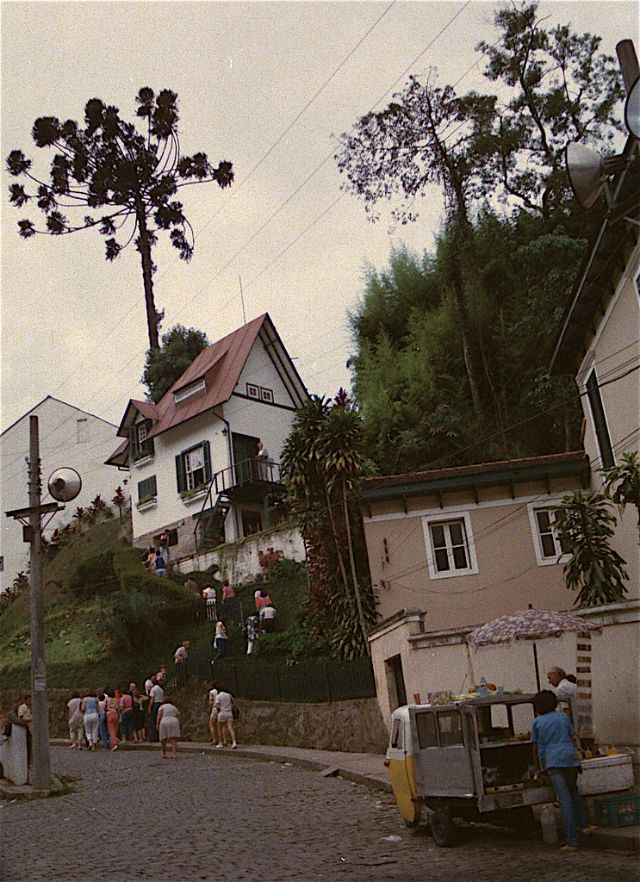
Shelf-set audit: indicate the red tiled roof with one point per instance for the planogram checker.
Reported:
(118, 458)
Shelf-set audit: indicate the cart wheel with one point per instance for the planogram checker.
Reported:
(443, 830)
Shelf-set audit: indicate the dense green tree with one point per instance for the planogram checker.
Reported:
(584, 523)
(622, 483)
(163, 366)
(322, 461)
(118, 177)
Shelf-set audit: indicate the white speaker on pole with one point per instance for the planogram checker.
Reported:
(64, 484)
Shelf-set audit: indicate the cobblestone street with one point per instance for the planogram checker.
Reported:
(132, 815)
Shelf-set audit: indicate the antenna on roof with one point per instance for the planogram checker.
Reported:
(244, 315)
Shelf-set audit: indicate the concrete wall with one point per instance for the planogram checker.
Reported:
(238, 561)
(509, 573)
(68, 437)
(434, 661)
(354, 726)
(613, 353)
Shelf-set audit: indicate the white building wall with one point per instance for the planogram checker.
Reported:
(614, 354)
(170, 507)
(68, 437)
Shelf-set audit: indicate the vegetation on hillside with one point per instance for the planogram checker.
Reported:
(452, 347)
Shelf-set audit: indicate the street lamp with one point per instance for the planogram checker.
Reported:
(63, 485)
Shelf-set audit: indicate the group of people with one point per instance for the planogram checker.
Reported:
(223, 712)
(105, 719)
(156, 559)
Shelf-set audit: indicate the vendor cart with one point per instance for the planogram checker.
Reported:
(469, 759)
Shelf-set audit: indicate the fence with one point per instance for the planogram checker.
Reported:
(314, 680)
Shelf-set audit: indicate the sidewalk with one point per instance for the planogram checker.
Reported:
(362, 768)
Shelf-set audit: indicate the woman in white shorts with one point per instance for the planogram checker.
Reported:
(168, 727)
(224, 703)
(213, 715)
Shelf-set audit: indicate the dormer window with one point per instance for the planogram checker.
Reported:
(187, 391)
(141, 444)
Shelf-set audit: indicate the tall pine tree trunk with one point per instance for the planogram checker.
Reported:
(354, 573)
(144, 247)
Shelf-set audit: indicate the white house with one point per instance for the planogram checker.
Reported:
(68, 437)
(195, 470)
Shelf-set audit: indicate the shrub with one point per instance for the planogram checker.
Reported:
(94, 576)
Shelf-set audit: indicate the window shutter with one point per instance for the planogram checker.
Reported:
(181, 473)
(133, 441)
(148, 487)
(206, 450)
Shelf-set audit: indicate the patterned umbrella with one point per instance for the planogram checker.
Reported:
(528, 624)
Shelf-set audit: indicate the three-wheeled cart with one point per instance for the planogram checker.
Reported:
(470, 759)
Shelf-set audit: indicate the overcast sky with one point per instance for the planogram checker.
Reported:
(73, 325)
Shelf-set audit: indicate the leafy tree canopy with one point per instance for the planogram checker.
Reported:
(163, 366)
(118, 177)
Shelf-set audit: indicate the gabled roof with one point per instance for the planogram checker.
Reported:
(59, 401)
(604, 258)
(120, 456)
(220, 365)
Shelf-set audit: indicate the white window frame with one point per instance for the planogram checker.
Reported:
(191, 482)
(447, 518)
(187, 391)
(541, 559)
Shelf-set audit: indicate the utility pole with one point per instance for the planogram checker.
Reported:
(39, 704)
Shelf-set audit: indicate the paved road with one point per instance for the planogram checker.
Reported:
(133, 816)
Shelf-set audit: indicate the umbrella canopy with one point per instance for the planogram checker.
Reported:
(528, 624)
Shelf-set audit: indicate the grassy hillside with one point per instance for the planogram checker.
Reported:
(107, 620)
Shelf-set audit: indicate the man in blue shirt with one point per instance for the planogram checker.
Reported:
(556, 754)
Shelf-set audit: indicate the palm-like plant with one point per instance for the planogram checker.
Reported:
(125, 177)
(622, 483)
(119, 500)
(595, 570)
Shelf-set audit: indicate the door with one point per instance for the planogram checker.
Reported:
(395, 682)
(402, 770)
(445, 762)
(245, 451)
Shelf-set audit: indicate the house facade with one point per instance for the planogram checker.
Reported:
(453, 548)
(69, 437)
(196, 469)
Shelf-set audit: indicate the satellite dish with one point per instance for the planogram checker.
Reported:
(64, 484)
(588, 172)
(632, 110)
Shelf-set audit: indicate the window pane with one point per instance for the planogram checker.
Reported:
(457, 536)
(548, 545)
(450, 725)
(460, 559)
(437, 534)
(426, 725)
(442, 560)
(544, 521)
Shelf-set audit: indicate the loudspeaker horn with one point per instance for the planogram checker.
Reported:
(588, 171)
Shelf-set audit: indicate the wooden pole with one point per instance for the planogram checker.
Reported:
(39, 705)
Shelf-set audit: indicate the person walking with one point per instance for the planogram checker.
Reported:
(161, 569)
(209, 597)
(127, 727)
(102, 719)
(113, 719)
(168, 727)
(89, 708)
(76, 721)
(181, 661)
(219, 642)
(268, 618)
(225, 705)
(555, 753)
(213, 715)
(156, 697)
(251, 631)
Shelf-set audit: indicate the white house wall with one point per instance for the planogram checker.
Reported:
(170, 508)
(615, 354)
(59, 446)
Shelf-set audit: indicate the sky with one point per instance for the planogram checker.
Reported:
(267, 86)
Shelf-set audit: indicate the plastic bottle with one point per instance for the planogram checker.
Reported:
(483, 692)
(549, 825)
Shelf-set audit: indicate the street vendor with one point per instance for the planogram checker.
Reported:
(561, 686)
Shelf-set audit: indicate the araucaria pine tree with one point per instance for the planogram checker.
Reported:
(118, 177)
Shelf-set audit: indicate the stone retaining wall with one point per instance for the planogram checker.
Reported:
(354, 726)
